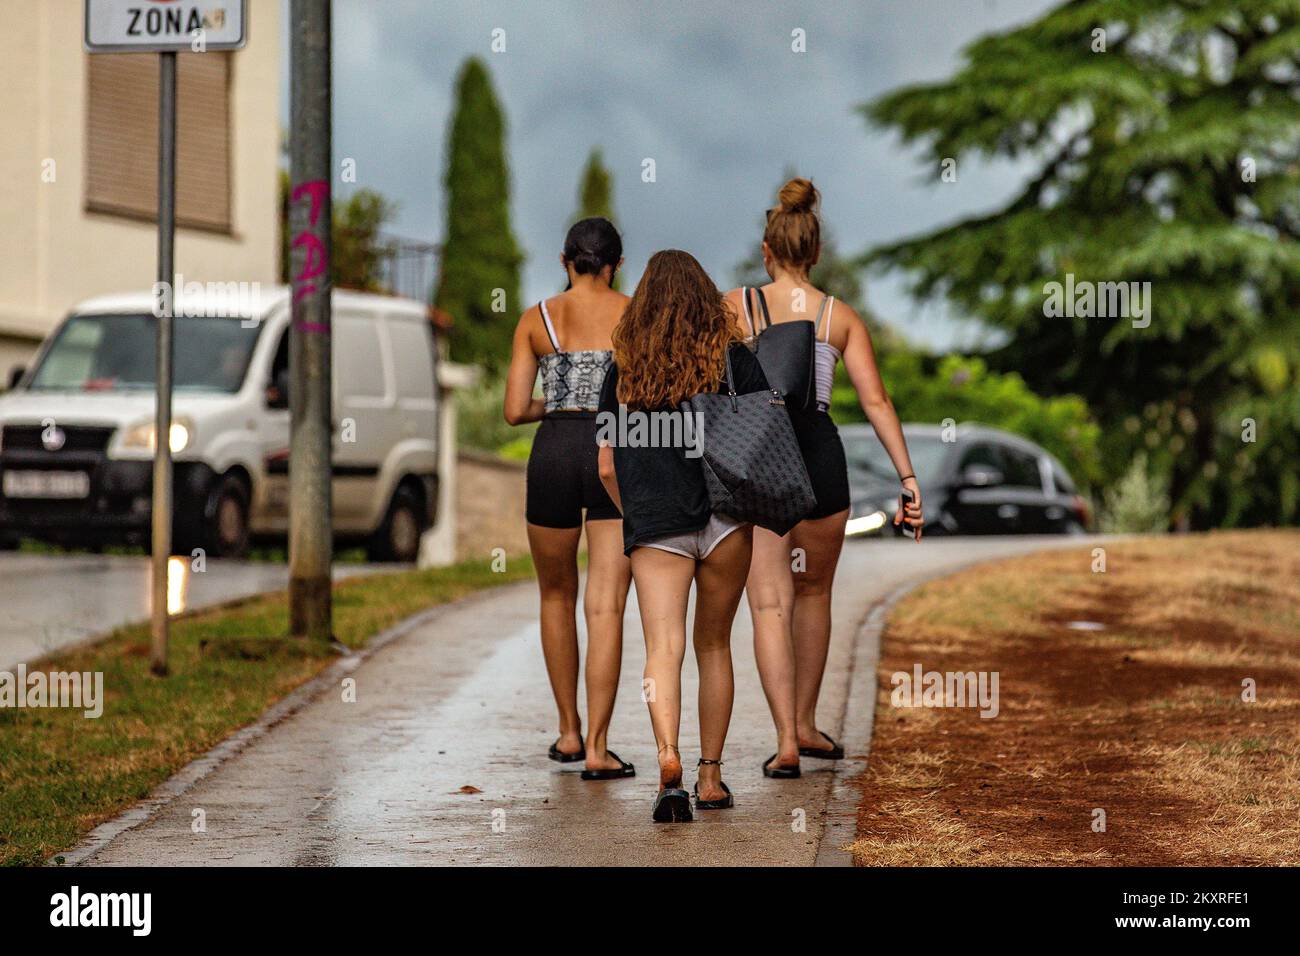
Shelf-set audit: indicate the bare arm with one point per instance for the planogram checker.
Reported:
(608, 478)
(520, 406)
(860, 363)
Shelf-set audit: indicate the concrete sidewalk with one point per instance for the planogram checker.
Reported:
(463, 702)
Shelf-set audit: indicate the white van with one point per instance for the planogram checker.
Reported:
(76, 430)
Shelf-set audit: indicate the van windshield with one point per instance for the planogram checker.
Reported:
(95, 353)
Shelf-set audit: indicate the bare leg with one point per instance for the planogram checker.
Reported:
(719, 580)
(770, 589)
(609, 575)
(555, 556)
(663, 585)
(821, 540)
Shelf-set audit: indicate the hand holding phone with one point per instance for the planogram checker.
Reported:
(909, 514)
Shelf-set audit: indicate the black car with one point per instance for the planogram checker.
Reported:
(974, 480)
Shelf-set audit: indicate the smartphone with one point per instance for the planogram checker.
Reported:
(905, 498)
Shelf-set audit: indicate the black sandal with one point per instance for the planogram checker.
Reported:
(622, 770)
(835, 753)
(559, 756)
(726, 803)
(780, 773)
(673, 804)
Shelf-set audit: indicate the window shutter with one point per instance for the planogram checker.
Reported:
(122, 137)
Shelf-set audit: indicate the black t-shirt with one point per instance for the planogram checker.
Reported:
(663, 488)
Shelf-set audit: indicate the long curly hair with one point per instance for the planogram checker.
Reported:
(672, 340)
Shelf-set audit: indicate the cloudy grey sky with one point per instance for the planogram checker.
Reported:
(709, 89)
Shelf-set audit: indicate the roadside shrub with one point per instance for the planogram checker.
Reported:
(479, 420)
(1138, 503)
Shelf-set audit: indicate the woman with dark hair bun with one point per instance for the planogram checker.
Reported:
(568, 338)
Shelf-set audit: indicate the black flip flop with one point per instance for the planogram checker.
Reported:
(780, 773)
(559, 756)
(835, 753)
(726, 803)
(673, 805)
(622, 770)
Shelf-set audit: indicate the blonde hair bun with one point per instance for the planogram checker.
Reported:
(798, 195)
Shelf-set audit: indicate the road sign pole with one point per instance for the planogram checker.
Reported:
(310, 504)
(162, 459)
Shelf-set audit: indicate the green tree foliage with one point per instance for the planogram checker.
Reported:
(358, 251)
(479, 280)
(596, 190)
(596, 194)
(1166, 135)
(928, 389)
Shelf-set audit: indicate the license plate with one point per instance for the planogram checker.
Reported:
(46, 484)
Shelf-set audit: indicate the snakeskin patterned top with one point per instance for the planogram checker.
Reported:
(571, 381)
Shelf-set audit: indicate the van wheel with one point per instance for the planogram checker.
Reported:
(398, 537)
(225, 534)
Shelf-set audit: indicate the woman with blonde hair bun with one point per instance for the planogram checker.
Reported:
(792, 610)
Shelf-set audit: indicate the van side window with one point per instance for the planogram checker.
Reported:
(277, 385)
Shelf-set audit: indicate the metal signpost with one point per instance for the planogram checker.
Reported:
(164, 27)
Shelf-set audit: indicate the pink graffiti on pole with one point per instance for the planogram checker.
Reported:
(315, 261)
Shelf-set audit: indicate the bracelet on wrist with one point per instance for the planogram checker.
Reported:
(905, 478)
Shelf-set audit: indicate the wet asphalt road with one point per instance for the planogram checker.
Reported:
(50, 601)
(463, 702)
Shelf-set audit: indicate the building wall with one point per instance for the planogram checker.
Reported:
(53, 253)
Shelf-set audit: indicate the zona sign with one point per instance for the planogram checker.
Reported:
(155, 26)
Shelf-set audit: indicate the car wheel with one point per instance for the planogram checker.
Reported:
(225, 533)
(398, 537)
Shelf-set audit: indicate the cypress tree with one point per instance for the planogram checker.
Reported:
(596, 190)
(596, 194)
(479, 279)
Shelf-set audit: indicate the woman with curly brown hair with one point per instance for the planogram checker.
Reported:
(673, 343)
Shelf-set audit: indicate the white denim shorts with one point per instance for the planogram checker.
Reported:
(696, 544)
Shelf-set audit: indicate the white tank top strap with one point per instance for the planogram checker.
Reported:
(827, 307)
(550, 329)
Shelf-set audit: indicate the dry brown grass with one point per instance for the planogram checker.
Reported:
(1144, 720)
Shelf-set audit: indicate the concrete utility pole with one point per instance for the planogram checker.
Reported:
(160, 622)
(310, 504)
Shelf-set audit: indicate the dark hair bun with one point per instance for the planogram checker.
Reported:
(798, 195)
(591, 245)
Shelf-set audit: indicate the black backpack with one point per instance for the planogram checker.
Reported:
(785, 351)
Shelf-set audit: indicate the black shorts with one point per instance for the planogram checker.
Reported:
(823, 455)
(562, 473)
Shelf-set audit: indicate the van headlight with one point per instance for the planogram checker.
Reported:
(142, 437)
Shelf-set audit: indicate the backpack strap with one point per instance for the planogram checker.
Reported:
(749, 318)
(762, 302)
(550, 329)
